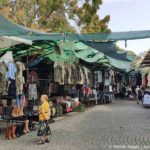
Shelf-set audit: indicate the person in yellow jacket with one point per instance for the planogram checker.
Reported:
(44, 116)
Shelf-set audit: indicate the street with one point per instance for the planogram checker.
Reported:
(120, 125)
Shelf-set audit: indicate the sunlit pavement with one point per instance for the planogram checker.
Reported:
(120, 125)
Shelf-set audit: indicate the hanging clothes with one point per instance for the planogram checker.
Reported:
(33, 91)
(7, 57)
(66, 75)
(78, 74)
(11, 73)
(74, 91)
(86, 90)
(100, 77)
(3, 80)
(70, 74)
(12, 88)
(62, 64)
(83, 74)
(19, 77)
(50, 89)
(74, 75)
(144, 80)
(57, 72)
(148, 78)
(86, 75)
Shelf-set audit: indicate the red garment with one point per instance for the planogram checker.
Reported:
(86, 90)
(145, 81)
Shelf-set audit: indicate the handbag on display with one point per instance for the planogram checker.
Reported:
(17, 112)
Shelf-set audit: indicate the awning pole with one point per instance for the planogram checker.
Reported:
(27, 61)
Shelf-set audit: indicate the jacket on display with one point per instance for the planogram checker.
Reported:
(19, 77)
(3, 80)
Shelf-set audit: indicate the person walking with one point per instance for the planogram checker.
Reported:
(44, 116)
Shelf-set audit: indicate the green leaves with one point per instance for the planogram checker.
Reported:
(55, 15)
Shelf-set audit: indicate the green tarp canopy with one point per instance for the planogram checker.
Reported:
(8, 28)
(69, 52)
(109, 49)
(84, 52)
(125, 65)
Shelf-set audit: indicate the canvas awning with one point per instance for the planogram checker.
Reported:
(8, 28)
(8, 41)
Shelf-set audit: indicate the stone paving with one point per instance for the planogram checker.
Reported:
(119, 125)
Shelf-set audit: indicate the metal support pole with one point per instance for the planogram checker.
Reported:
(27, 61)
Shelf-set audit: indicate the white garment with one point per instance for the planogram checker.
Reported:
(110, 89)
(19, 77)
(82, 76)
(148, 77)
(7, 57)
(107, 82)
(99, 73)
(11, 73)
(86, 74)
(68, 103)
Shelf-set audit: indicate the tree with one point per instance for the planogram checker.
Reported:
(54, 15)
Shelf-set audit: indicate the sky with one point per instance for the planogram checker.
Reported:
(128, 15)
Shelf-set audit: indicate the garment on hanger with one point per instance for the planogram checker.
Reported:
(62, 64)
(19, 77)
(70, 74)
(57, 72)
(12, 88)
(33, 91)
(83, 74)
(11, 73)
(148, 78)
(66, 75)
(7, 57)
(3, 80)
(100, 79)
(78, 74)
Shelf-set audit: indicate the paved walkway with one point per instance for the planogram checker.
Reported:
(119, 125)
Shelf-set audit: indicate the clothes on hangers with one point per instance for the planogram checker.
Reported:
(19, 77)
(11, 73)
(3, 80)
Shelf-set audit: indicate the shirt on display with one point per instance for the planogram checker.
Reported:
(32, 91)
(99, 76)
(10, 74)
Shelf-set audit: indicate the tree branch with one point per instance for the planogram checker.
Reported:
(18, 19)
(47, 16)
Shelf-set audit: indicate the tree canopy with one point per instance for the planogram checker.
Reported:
(55, 15)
